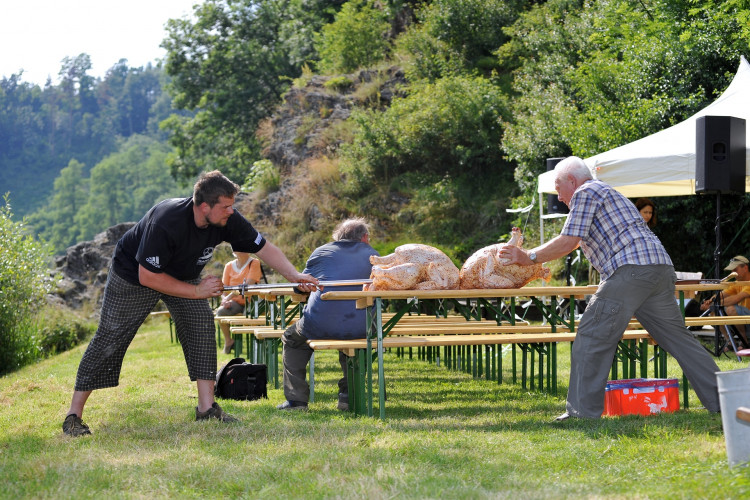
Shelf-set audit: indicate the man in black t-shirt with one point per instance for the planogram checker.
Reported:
(161, 258)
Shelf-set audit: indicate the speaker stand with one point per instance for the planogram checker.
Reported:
(717, 230)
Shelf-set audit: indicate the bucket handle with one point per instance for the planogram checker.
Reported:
(743, 414)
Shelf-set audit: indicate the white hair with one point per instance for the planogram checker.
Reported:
(573, 165)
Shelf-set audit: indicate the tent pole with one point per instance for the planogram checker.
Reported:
(541, 219)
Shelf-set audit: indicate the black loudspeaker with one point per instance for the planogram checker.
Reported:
(720, 154)
(554, 205)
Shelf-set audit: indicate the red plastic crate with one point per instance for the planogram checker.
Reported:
(641, 396)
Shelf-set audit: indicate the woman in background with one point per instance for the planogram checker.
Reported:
(648, 211)
(242, 269)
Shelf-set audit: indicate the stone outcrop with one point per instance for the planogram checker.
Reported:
(299, 123)
(83, 270)
(301, 128)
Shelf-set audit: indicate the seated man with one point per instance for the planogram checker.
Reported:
(346, 258)
(735, 299)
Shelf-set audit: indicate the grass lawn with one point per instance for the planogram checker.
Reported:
(446, 436)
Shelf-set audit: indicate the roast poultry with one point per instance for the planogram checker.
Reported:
(486, 269)
(413, 267)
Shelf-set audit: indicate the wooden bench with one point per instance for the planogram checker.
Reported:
(239, 319)
(359, 354)
(159, 314)
(264, 342)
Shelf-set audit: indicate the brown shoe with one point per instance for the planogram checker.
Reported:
(215, 412)
(73, 426)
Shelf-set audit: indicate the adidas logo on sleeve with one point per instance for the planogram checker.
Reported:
(154, 261)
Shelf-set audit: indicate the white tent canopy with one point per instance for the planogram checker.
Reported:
(663, 164)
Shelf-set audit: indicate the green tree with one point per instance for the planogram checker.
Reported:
(591, 77)
(82, 118)
(594, 77)
(449, 127)
(120, 188)
(457, 36)
(440, 147)
(230, 65)
(24, 145)
(24, 281)
(124, 185)
(357, 38)
(55, 222)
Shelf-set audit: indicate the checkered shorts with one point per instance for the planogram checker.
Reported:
(124, 309)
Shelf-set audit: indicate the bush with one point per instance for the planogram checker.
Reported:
(450, 127)
(358, 37)
(24, 281)
(338, 83)
(264, 177)
(62, 331)
(456, 36)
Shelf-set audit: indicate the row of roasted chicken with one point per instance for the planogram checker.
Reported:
(422, 267)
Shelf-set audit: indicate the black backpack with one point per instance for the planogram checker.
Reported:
(240, 380)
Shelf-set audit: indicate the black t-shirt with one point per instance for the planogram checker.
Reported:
(166, 240)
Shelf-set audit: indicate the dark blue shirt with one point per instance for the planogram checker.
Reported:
(336, 319)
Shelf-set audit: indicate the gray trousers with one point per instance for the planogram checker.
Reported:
(646, 292)
(296, 356)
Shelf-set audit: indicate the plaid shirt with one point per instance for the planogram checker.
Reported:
(611, 229)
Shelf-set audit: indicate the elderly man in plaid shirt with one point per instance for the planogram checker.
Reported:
(637, 279)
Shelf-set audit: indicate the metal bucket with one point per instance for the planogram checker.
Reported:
(734, 391)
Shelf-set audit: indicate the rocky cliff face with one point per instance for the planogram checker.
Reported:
(83, 270)
(307, 126)
(300, 123)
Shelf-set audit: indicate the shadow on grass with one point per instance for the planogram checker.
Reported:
(422, 395)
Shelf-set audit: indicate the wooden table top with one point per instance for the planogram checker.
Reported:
(527, 291)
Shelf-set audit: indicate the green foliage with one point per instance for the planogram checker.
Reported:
(338, 83)
(449, 127)
(357, 38)
(436, 149)
(126, 184)
(61, 330)
(457, 36)
(56, 221)
(264, 177)
(557, 77)
(43, 129)
(230, 65)
(121, 188)
(24, 281)
(591, 77)
(448, 211)
(594, 78)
